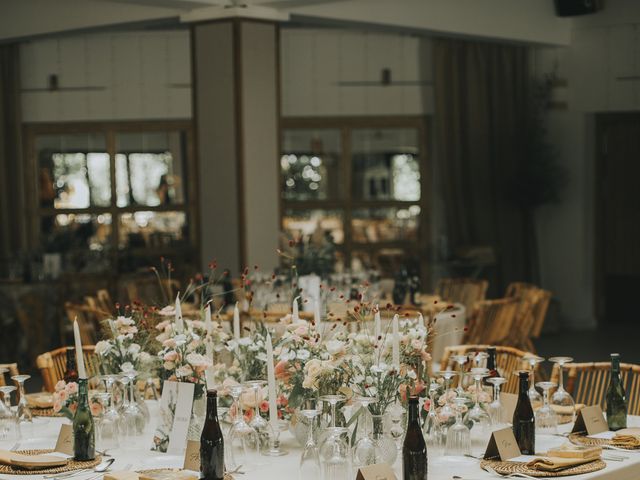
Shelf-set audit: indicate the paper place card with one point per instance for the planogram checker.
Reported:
(64, 444)
(175, 414)
(590, 420)
(509, 402)
(192, 456)
(378, 471)
(502, 445)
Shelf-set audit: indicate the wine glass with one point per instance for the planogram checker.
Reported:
(562, 398)
(495, 407)
(274, 443)
(8, 419)
(396, 415)
(458, 435)
(334, 449)
(446, 410)
(333, 400)
(243, 439)
(460, 360)
(110, 428)
(477, 414)
(480, 359)
(432, 427)
(534, 395)
(259, 424)
(546, 417)
(130, 416)
(310, 458)
(23, 413)
(364, 450)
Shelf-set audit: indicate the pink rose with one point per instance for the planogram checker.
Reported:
(171, 356)
(60, 385)
(63, 395)
(72, 388)
(170, 343)
(96, 409)
(57, 405)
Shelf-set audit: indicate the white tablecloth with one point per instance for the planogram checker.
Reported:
(440, 468)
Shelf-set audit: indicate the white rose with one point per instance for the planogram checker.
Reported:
(144, 357)
(184, 371)
(335, 347)
(102, 347)
(126, 367)
(134, 348)
(303, 354)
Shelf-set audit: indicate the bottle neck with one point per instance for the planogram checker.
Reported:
(212, 408)
(524, 385)
(83, 392)
(413, 412)
(491, 360)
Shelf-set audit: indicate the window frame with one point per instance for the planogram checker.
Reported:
(346, 204)
(110, 130)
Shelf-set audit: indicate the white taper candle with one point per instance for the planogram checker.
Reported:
(236, 322)
(208, 323)
(79, 357)
(179, 320)
(271, 381)
(396, 343)
(294, 308)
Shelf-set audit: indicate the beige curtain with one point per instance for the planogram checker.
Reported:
(481, 101)
(12, 206)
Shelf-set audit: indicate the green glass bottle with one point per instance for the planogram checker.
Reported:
(616, 399)
(84, 440)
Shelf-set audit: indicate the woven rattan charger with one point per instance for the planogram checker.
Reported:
(69, 467)
(582, 439)
(505, 468)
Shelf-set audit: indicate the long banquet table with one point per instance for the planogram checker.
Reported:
(140, 457)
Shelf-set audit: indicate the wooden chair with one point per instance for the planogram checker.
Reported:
(104, 301)
(588, 382)
(508, 359)
(151, 291)
(467, 291)
(534, 311)
(52, 365)
(11, 370)
(492, 321)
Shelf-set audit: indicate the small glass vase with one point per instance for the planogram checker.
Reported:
(386, 450)
(198, 414)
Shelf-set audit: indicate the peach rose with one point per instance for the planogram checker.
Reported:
(72, 388)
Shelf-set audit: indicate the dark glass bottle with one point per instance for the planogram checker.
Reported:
(414, 448)
(524, 422)
(491, 365)
(71, 371)
(84, 441)
(616, 399)
(212, 442)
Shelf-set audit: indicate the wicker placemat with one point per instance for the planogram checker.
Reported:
(227, 476)
(44, 412)
(580, 439)
(505, 468)
(69, 467)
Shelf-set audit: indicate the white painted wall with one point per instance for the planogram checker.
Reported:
(603, 47)
(314, 61)
(145, 75)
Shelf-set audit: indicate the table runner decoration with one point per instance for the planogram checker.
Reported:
(69, 467)
(506, 468)
(584, 440)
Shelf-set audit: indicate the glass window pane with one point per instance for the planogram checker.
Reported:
(386, 164)
(150, 168)
(305, 223)
(152, 229)
(310, 164)
(370, 225)
(73, 171)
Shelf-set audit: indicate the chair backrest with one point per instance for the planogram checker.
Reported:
(467, 291)
(53, 364)
(11, 370)
(104, 301)
(491, 322)
(538, 299)
(508, 359)
(588, 383)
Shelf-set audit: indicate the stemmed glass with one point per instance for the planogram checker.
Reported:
(460, 360)
(546, 418)
(7, 416)
(534, 395)
(458, 436)
(310, 458)
(334, 450)
(432, 427)
(480, 359)
(274, 444)
(364, 450)
(561, 397)
(495, 407)
(259, 424)
(396, 417)
(110, 430)
(447, 411)
(243, 439)
(477, 414)
(23, 414)
(131, 419)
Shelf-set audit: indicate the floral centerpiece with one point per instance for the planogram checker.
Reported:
(125, 348)
(65, 400)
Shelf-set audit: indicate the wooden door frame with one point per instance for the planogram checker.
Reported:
(602, 122)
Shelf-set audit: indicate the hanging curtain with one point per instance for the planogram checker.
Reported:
(481, 103)
(12, 199)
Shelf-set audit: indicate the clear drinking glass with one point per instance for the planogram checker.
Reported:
(8, 418)
(546, 417)
(432, 427)
(397, 418)
(562, 398)
(534, 395)
(310, 459)
(480, 359)
(130, 416)
(446, 411)
(110, 422)
(23, 414)
(477, 414)
(335, 447)
(243, 439)
(458, 435)
(274, 444)
(495, 407)
(364, 449)
(460, 360)
(259, 424)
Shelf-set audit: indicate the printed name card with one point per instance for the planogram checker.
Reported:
(509, 402)
(502, 445)
(378, 471)
(192, 456)
(175, 414)
(590, 420)
(64, 444)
